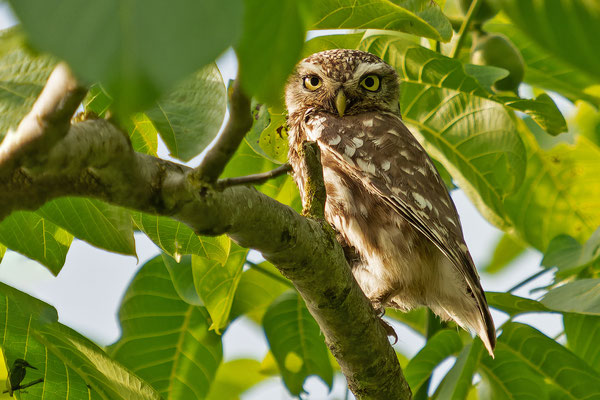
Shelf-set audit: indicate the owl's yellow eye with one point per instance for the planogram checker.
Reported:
(312, 82)
(370, 82)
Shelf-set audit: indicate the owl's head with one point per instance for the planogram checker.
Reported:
(343, 82)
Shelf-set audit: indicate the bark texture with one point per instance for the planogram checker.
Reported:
(47, 157)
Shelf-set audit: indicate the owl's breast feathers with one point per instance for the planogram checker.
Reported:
(376, 152)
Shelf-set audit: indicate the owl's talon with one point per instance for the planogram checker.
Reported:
(389, 330)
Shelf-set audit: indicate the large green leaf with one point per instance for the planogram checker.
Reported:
(568, 29)
(37, 238)
(182, 278)
(166, 340)
(561, 368)
(582, 296)
(216, 284)
(513, 305)
(508, 376)
(296, 342)
(137, 49)
(22, 77)
(190, 116)
(259, 286)
(542, 69)
(440, 346)
(457, 382)
(420, 17)
(582, 333)
(416, 64)
(100, 224)
(71, 365)
(177, 239)
(273, 34)
(415, 319)
(560, 193)
(234, 378)
(569, 256)
(506, 251)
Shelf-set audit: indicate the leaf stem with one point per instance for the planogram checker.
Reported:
(462, 33)
(528, 279)
(270, 274)
(254, 179)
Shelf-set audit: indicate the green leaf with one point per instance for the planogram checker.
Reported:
(544, 70)
(506, 251)
(560, 193)
(563, 369)
(440, 346)
(136, 49)
(142, 133)
(177, 239)
(416, 64)
(189, 117)
(329, 42)
(514, 305)
(268, 136)
(37, 238)
(234, 378)
(508, 376)
(70, 365)
(98, 223)
(296, 342)
(216, 284)
(182, 277)
(23, 76)
(582, 296)
(582, 332)
(273, 34)
(566, 29)
(166, 340)
(569, 256)
(457, 382)
(97, 101)
(421, 17)
(2, 252)
(258, 288)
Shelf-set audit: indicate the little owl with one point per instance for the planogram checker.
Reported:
(385, 198)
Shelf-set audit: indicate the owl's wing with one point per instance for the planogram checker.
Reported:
(380, 151)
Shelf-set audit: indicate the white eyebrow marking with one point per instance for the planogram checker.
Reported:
(311, 68)
(366, 68)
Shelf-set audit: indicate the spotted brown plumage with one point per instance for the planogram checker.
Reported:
(384, 195)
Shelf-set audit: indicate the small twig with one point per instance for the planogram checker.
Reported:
(314, 196)
(255, 179)
(240, 122)
(270, 274)
(462, 33)
(20, 387)
(527, 280)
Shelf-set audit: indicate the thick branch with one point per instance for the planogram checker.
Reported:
(240, 122)
(95, 159)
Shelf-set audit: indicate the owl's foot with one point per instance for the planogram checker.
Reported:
(389, 330)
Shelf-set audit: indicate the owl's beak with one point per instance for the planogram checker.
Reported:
(340, 102)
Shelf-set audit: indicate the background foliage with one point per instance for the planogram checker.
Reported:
(151, 65)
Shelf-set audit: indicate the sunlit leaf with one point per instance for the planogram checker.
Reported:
(136, 49)
(457, 382)
(582, 296)
(37, 238)
(582, 331)
(415, 319)
(506, 251)
(513, 305)
(143, 134)
(440, 346)
(273, 34)
(259, 286)
(268, 136)
(569, 256)
(543, 69)
(177, 239)
(182, 277)
(2, 252)
(166, 340)
(296, 342)
(566, 29)
(216, 284)
(234, 378)
(98, 223)
(561, 368)
(190, 116)
(23, 75)
(421, 17)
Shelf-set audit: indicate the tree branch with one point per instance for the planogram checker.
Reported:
(255, 179)
(95, 159)
(240, 122)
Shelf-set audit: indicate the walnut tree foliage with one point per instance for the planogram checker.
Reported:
(150, 67)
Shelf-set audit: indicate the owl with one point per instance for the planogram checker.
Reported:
(393, 214)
